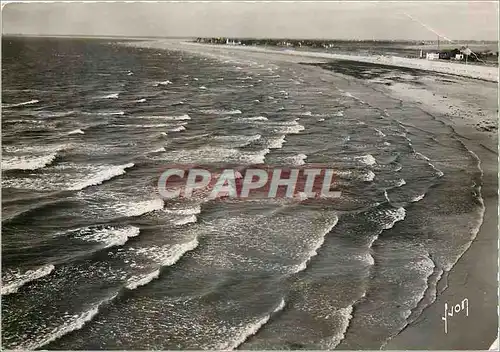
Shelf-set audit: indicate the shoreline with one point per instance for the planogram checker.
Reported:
(474, 275)
(471, 71)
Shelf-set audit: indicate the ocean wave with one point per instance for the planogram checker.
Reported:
(141, 280)
(14, 281)
(220, 112)
(76, 132)
(162, 83)
(346, 314)
(159, 150)
(379, 132)
(167, 255)
(27, 162)
(109, 236)
(108, 173)
(185, 211)
(316, 246)
(275, 142)
(367, 159)
(417, 198)
(29, 102)
(217, 154)
(368, 176)
(186, 220)
(104, 113)
(155, 125)
(74, 322)
(177, 129)
(387, 219)
(240, 140)
(168, 118)
(139, 208)
(143, 100)
(49, 114)
(255, 118)
(296, 160)
(246, 331)
(111, 96)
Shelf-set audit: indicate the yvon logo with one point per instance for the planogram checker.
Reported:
(260, 181)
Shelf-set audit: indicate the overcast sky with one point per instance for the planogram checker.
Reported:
(347, 20)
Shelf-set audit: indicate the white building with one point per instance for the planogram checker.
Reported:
(432, 56)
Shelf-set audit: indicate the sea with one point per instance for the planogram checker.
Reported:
(93, 258)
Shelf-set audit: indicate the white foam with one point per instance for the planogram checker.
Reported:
(111, 96)
(203, 87)
(29, 102)
(163, 83)
(100, 177)
(239, 140)
(379, 132)
(110, 113)
(27, 162)
(139, 208)
(293, 129)
(249, 330)
(154, 125)
(316, 246)
(48, 114)
(217, 154)
(143, 100)
(109, 236)
(339, 114)
(256, 118)
(368, 176)
(74, 322)
(367, 159)
(400, 182)
(417, 198)
(296, 160)
(167, 117)
(141, 280)
(186, 211)
(76, 132)
(346, 314)
(397, 215)
(177, 129)
(159, 150)
(276, 142)
(18, 279)
(185, 220)
(169, 254)
(220, 112)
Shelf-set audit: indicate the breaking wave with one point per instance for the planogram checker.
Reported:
(109, 236)
(27, 162)
(14, 281)
(29, 102)
(100, 177)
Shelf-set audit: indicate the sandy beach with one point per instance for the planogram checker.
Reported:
(469, 106)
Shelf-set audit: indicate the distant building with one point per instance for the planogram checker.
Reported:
(432, 56)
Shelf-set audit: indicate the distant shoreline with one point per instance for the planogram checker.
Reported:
(486, 73)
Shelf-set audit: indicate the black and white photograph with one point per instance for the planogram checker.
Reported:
(249, 175)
